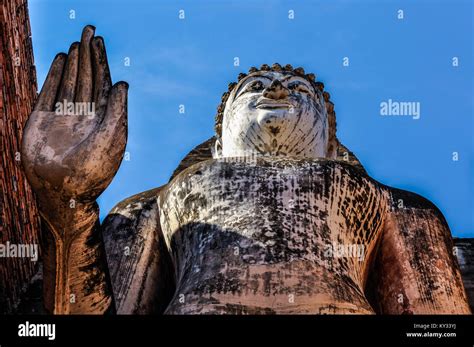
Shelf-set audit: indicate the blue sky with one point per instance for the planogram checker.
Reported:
(191, 61)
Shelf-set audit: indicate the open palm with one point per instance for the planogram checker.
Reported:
(75, 138)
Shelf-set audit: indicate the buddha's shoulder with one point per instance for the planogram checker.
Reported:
(129, 222)
(135, 251)
(130, 210)
(131, 245)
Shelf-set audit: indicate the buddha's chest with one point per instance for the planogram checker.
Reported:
(270, 211)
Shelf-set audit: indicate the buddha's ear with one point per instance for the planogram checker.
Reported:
(217, 149)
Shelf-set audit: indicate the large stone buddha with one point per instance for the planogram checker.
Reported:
(271, 215)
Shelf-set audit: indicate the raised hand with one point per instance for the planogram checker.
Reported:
(75, 138)
(73, 144)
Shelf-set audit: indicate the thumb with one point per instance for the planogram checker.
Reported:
(102, 152)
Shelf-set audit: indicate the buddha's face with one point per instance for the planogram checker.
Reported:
(276, 114)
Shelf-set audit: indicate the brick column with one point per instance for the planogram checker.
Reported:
(19, 222)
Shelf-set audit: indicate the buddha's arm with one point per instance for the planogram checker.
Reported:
(139, 262)
(416, 271)
(72, 146)
(126, 256)
(75, 275)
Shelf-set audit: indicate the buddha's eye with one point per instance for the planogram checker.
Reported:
(298, 87)
(253, 87)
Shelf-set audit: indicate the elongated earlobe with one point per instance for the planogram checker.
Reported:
(217, 149)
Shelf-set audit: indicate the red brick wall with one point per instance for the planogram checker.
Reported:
(19, 217)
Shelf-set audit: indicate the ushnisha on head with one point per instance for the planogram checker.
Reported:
(276, 111)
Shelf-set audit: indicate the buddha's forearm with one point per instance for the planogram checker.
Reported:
(76, 279)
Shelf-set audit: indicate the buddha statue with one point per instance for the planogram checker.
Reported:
(272, 215)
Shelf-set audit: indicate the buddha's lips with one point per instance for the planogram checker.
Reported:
(271, 104)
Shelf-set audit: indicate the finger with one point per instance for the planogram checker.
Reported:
(102, 80)
(49, 91)
(115, 119)
(85, 79)
(109, 139)
(68, 83)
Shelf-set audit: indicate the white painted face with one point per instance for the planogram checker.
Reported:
(276, 114)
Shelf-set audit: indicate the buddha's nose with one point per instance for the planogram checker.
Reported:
(276, 91)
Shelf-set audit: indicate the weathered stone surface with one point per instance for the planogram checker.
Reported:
(204, 151)
(19, 217)
(465, 254)
(256, 237)
(416, 270)
(215, 246)
(139, 264)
